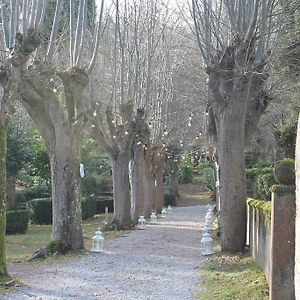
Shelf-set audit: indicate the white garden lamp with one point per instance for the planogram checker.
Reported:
(207, 227)
(141, 222)
(170, 210)
(163, 213)
(208, 218)
(207, 244)
(97, 242)
(153, 218)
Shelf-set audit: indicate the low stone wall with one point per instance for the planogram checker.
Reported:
(259, 233)
(283, 243)
(271, 239)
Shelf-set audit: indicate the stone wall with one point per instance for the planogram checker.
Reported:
(283, 243)
(271, 239)
(259, 234)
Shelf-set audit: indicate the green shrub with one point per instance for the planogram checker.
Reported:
(186, 169)
(41, 210)
(103, 202)
(264, 184)
(284, 171)
(208, 178)
(17, 221)
(88, 207)
(169, 199)
(34, 192)
(95, 184)
(252, 174)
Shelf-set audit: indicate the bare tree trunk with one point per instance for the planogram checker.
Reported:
(3, 149)
(62, 140)
(159, 185)
(66, 202)
(137, 182)
(122, 199)
(10, 192)
(149, 188)
(232, 176)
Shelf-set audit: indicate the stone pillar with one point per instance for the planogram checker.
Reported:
(282, 243)
(297, 225)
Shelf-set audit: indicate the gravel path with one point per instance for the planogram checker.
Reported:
(159, 263)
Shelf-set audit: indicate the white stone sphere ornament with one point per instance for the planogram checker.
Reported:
(153, 218)
(207, 244)
(141, 222)
(169, 210)
(97, 242)
(163, 213)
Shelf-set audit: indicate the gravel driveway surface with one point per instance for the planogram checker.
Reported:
(159, 263)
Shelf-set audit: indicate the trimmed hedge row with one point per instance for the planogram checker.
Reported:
(41, 211)
(104, 201)
(169, 199)
(17, 221)
(88, 207)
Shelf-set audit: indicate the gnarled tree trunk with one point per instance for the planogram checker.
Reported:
(62, 141)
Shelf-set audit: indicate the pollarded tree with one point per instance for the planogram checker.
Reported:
(235, 39)
(58, 116)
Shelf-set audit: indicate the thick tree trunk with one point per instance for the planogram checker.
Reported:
(62, 142)
(149, 189)
(3, 149)
(66, 208)
(10, 192)
(232, 177)
(159, 185)
(122, 199)
(137, 182)
(159, 190)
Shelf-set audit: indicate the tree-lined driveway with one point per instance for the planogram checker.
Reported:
(161, 262)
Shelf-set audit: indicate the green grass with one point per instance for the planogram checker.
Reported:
(21, 246)
(226, 277)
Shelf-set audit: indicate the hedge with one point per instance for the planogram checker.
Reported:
(41, 211)
(169, 199)
(88, 207)
(17, 221)
(104, 201)
(34, 192)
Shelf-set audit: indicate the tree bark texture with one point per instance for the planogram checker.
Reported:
(137, 182)
(122, 199)
(3, 149)
(232, 176)
(149, 189)
(62, 141)
(66, 196)
(159, 188)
